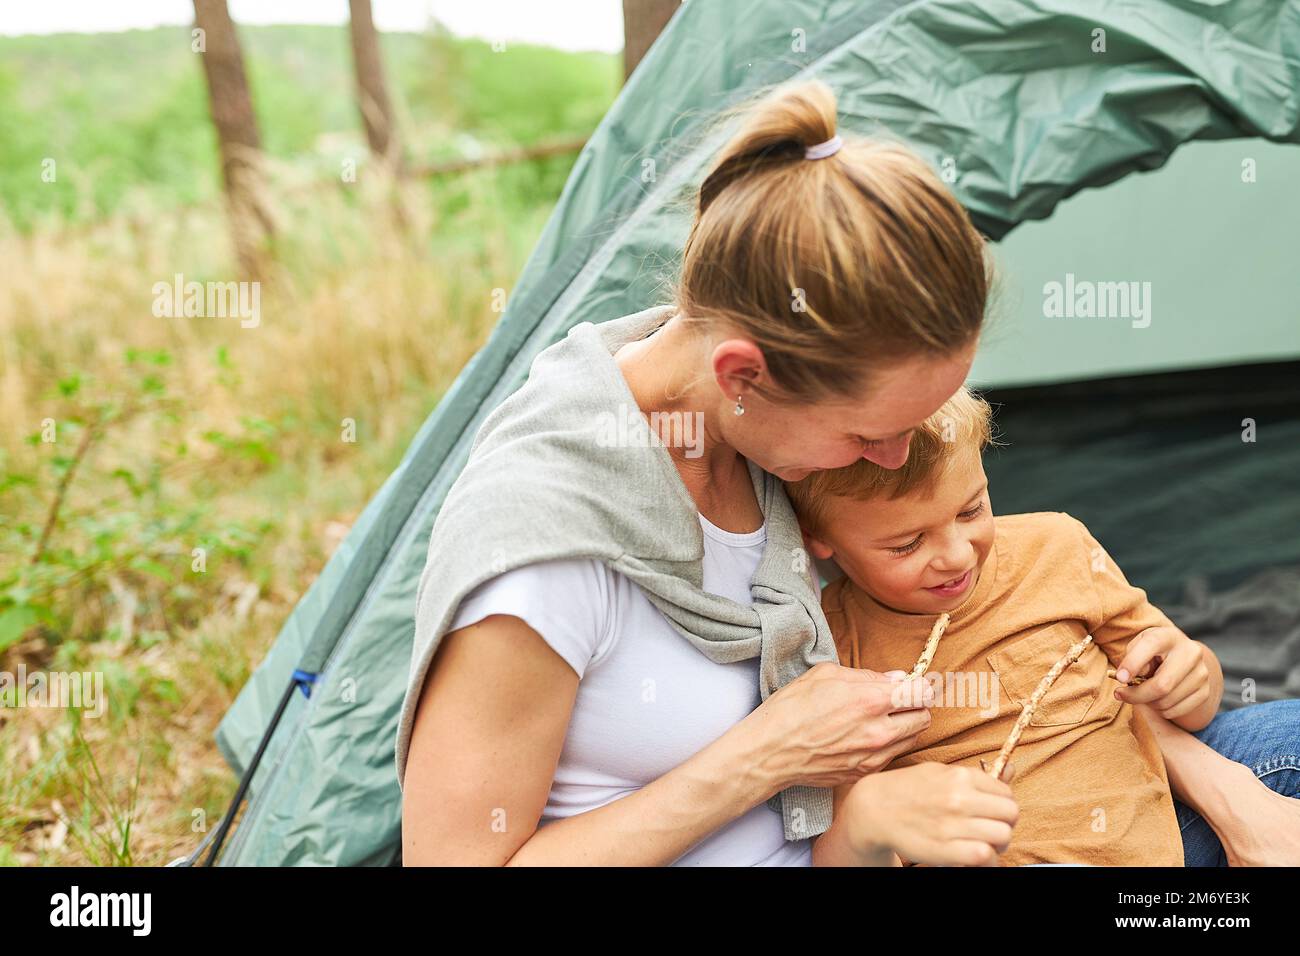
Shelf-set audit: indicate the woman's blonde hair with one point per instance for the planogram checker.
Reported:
(963, 424)
(832, 265)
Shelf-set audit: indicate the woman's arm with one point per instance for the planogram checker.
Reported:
(491, 723)
(1250, 820)
(486, 740)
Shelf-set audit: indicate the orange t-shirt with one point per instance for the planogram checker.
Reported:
(1090, 780)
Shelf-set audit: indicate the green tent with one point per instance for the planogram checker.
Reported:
(1139, 329)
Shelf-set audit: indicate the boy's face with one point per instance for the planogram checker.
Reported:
(917, 554)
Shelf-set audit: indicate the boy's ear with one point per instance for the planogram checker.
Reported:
(817, 547)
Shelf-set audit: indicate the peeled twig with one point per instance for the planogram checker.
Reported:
(1027, 712)
(1111, 673)
(931, 645)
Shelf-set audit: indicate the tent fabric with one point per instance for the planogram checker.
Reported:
(1007, 99)
(1214, 250)
(1254, 630)
(1199, 511)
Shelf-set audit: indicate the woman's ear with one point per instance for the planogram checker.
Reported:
(737, 362)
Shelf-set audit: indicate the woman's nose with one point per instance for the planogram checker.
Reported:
(891, 453)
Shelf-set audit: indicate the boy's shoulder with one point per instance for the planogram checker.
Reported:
(840, 622)
(1039, 520)
(832, 596)
(1042, 533)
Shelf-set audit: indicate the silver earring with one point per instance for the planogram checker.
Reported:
(740, 408)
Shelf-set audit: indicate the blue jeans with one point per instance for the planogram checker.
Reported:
(1264, 737)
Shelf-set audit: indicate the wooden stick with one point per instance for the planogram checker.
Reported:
(1027, 712)
(931, 645)
(503, 157)
(89, 435)
(1111, 672)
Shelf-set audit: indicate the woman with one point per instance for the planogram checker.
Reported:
(581, 705)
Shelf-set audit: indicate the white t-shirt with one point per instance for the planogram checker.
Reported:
(647, 699)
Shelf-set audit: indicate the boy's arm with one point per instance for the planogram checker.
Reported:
(833, 848)
(1134, 634)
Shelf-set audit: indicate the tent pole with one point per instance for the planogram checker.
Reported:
(224, 829)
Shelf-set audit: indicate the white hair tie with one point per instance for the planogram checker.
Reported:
(822, 150)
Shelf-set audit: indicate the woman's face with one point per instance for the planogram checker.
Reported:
(791, 441)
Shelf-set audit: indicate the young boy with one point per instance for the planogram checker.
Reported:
(1020, 590)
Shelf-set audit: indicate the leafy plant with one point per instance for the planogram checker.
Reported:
(131, 533)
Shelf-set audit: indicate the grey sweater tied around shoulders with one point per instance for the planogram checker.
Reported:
(544, 482)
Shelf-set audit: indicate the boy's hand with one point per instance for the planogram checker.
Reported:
(1177, 679)
(933, 813)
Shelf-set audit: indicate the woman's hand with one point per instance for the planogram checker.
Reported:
(832, 725)
(930, 813)
(1180, 682)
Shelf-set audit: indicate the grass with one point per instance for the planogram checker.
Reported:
(169, 487)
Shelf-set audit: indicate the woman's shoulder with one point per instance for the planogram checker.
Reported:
(561, 579)
(570, 602)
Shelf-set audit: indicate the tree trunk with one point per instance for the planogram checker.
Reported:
(643, 20)
(237, 134)
(372, 91)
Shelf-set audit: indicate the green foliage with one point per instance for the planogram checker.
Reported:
(124, 116)
(137, 531)
(194, 480)
(519, 94)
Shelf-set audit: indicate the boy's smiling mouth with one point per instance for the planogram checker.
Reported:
(955, 586)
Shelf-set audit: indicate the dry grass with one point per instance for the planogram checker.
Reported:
(359, 320)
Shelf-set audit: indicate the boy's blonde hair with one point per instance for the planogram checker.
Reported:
(965, 421)
(831, 266)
